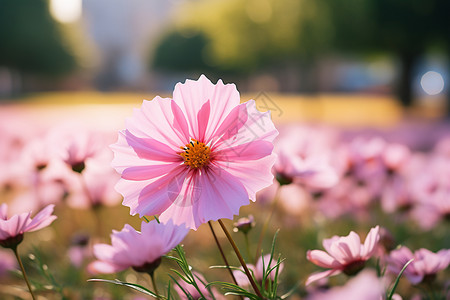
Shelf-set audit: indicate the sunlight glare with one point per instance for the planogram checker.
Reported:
(66, 11)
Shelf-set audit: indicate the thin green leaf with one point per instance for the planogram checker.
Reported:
(226, 267)
(189, 296)
(133, 286)
(391, 294)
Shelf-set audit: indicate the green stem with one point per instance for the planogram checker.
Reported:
(241, 260)
(247, 245)
(23, 272)
(221, 252)
(266, 224)
(155, 288)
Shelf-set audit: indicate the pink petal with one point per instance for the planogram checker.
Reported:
(241, 277)
(4, 211)
(351, 244)
(148, 171)
(147, 148)
(184, 206)
(322, 259)
(249, 151)
(192, 95)
(257, 126)
(202, 120)
(14, 226)
(102, 267)
(317, 276)
(253, 174)
(369, 247)
(221, 195)
(42, 219)
(152, 197)
(160, 120)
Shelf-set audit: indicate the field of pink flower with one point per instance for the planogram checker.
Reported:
(326, 197)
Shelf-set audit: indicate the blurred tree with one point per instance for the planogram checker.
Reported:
(179, 51)
(405, 29)
(30, 39)
(244, 36)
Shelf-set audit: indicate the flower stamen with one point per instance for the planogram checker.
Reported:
(196, 154)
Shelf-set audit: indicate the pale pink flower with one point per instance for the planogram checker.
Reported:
(191, 290)
(258, 270)
(12, 229)
(95, 186)
(344, 254)
(395, 156)
(304, 158)
(140, 250)
(365, 286)
(425, 263)
(197, 157)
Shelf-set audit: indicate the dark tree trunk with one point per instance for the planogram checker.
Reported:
(404, 85)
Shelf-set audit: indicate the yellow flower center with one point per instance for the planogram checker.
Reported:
(196, 154)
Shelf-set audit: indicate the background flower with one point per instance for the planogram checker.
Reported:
(131, 248)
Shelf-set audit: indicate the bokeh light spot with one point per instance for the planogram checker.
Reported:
(432, 83)
(66, 11)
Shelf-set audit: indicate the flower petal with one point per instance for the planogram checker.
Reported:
(162, 120)
(152, 197)
(192, 95)
(253, 174)
(322, 259)
(221, 195)
(369, 247)
(317, 276)
(42, 219)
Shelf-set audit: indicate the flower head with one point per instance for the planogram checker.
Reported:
(12, 229)
(140, 250)
(425, 264)
(345, 254)
(194, 158)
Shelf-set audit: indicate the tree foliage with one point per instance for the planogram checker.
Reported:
(30, 39)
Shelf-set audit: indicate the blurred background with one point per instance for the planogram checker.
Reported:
(361, 68)
(392, 48)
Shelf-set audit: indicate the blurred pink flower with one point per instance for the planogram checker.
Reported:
(190, 289)
(365, 286)
(425, 264)
(258, 271)
(304, 158)
(395, 156)
(12, 229)
(79, 145)
(431, 189)
(140, 250)
(344, 254)
(195, 158)
(95, 186)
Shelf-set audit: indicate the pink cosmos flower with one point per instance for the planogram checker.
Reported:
(197, 157)
(258, 270)
(12, 229)
(425, 264)
(345, 254)
(140, 250)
